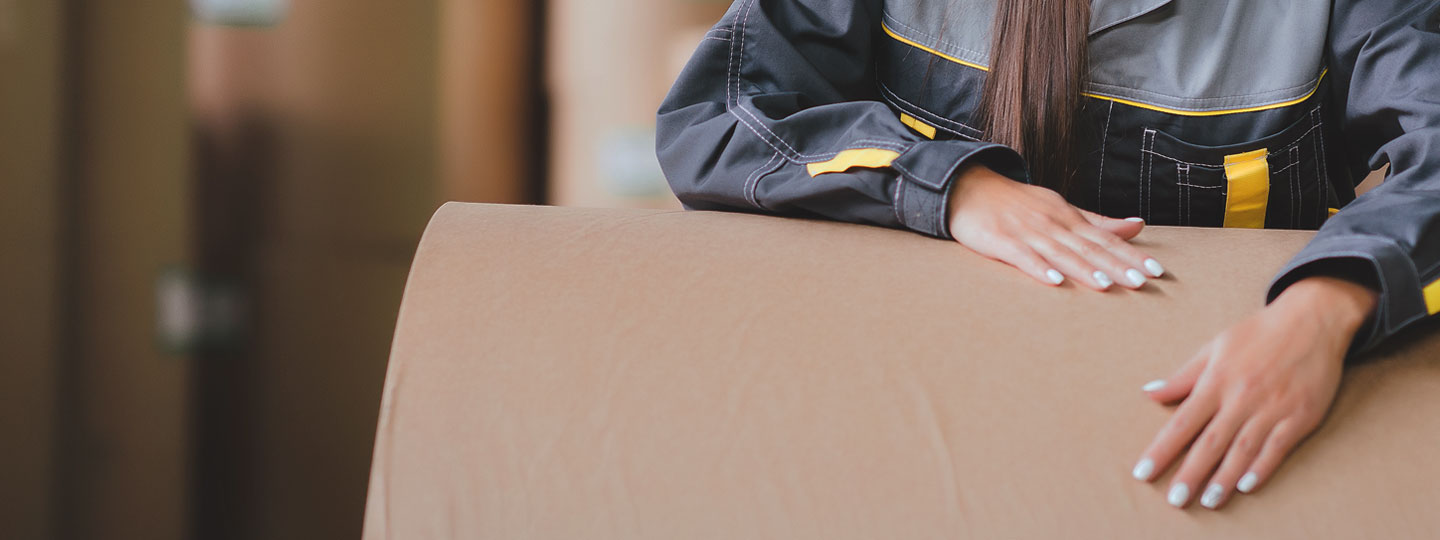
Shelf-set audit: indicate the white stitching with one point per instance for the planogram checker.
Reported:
(1320, 160)
(1268, 153)
(1299, 220)
(754, 179)
(935, 120)
(1285, 168)
(798, 157)
(740, 60)
(1299, 139)
(738, 64)
(1147, 141)
(730, 71)
(906, 172)
(885, 89)
(899, 181)
(767, 130)
(1182, 171)
(1100, 183)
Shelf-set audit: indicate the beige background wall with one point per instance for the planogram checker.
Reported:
(609, 66)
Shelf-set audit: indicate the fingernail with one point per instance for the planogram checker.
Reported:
(1055, 276)
(1136, 278)
(1153, 385)
(1154, 267)
(1247, 482)
(1211, 498)
(1135, 219)
(1179, 495)
(1102, 280)
(1143, 470)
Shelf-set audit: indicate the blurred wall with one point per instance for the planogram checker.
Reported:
(609, 65)
(324, 143)
(126, 432)
(30, 228)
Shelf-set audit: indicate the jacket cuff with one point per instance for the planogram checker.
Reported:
(927, 172)
(1401, 298)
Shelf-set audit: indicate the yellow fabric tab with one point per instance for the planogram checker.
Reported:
(1248, 179)
(1432, 297)
(871, 158)
(1334, 211)
(925, 129)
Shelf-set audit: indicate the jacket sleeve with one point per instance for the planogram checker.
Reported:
(779, 112)
(1385, 55)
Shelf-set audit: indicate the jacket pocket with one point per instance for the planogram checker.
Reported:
(1275, 182)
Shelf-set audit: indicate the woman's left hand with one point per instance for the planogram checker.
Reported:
(1255, 391)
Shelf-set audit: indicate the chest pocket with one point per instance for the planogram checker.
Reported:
(1276, 182)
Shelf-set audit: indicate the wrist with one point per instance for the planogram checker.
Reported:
(967, 179)
(1341, 304)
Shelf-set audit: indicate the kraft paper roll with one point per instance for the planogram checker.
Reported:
(580, 373)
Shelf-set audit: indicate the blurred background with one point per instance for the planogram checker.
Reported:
(208, 210)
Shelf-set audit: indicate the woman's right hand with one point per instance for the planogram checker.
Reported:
(1034, 229)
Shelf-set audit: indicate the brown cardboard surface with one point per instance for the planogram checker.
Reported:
(573, 373)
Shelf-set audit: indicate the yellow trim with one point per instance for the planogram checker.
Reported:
(925, 129)
(1334, 211)
(1248, 191)
(872, 158)
(907, 41)
(1221, 112)
(1432, 297)
(1132, 103)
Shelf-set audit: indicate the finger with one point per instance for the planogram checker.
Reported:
(1120, 248)
(1022, 257)
(1182, 428)
(1282, 440)
(1068, 262)
(1124, 228)
(1205, 453)
(1238, 458)
(1179, 385)
(1101, 258)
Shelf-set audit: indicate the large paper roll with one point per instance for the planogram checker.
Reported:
(573, 373)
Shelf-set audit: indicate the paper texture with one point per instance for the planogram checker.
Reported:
(575, 373)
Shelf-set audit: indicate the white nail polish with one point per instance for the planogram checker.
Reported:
(1135, 219)
(1102, 280)
(1154, 267)
(1247, 482)
(1179, 495)
(1153, 385)
(1055, 276)
(1211, 498)
(1143, 470)
(1136, 278)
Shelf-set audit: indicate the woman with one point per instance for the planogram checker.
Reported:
(1023, 129)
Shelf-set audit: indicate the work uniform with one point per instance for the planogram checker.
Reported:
(1243, 113)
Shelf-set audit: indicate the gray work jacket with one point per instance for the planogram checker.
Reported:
(1242, 113)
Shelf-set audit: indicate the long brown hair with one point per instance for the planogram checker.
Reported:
(1033, 91)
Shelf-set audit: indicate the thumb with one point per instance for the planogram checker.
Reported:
(1124, 228)
(1179, 385)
